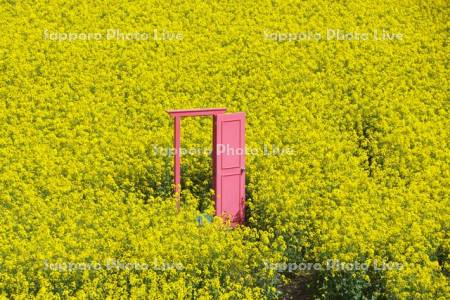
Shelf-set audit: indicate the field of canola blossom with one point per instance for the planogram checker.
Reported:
(356, 91)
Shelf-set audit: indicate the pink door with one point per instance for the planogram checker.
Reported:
(229, 166)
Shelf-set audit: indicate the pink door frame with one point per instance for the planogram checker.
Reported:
(177, 115)
(219, 168)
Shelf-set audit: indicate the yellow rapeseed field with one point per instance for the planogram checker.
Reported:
(347, 107)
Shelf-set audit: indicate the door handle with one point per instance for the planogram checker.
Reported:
(242, 170)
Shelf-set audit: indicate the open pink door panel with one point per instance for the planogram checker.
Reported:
(229, 166)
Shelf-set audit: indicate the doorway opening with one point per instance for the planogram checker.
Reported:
(197, 163)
